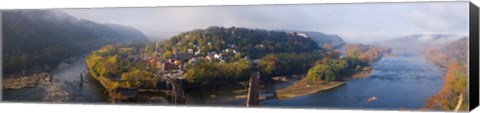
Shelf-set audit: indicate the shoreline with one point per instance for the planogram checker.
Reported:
(366, 71)
(54, 91)
(13, 83)
(305, 87)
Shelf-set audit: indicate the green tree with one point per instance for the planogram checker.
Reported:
(167, 55)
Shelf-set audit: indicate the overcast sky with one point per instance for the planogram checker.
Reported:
(354, 22)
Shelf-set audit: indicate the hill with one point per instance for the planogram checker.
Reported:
(418, 43)
(43, 38)
(455, 51)
(327, 41)
(366, 53)
(253, 43)
(454, 94)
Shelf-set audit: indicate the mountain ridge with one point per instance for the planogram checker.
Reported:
(42, 38)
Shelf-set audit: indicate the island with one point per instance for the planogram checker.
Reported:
(330, 73)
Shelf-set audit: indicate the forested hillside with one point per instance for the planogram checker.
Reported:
(453, 52)
(42, 38)
(326, 40)
(253, 43)
(454, 94)
(364, 52)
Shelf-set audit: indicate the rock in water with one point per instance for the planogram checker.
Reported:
(372, 99)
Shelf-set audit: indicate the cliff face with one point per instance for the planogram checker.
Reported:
(42, 38)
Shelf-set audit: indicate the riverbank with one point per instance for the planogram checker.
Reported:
(54, 91)
(366, 71)
(305, 87)
(26, 81)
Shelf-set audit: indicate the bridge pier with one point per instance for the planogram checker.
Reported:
(253, 90)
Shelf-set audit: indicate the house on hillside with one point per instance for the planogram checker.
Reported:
(302, 34)
(168, 66)
(193, 60)
(190, 51)
(209, 57)
(217, 56)
(182, 56)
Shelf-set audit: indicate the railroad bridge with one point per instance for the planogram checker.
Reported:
(176, 83)
(178, 92)
(253, 90)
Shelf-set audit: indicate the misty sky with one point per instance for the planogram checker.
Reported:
(354, 22)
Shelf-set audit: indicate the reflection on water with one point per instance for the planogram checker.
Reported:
(87, 90)
(404, 81)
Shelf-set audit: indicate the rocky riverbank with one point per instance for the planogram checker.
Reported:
(26, 81)
(54, 90)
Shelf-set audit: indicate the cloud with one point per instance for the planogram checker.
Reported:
(354, 22)
(440, 16)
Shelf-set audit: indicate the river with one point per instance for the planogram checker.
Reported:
(404, 81)
(66, 76)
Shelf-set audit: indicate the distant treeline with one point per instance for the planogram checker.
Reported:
(364, 52)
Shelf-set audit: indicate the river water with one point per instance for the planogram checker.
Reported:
(404, 81)
(66, 76)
